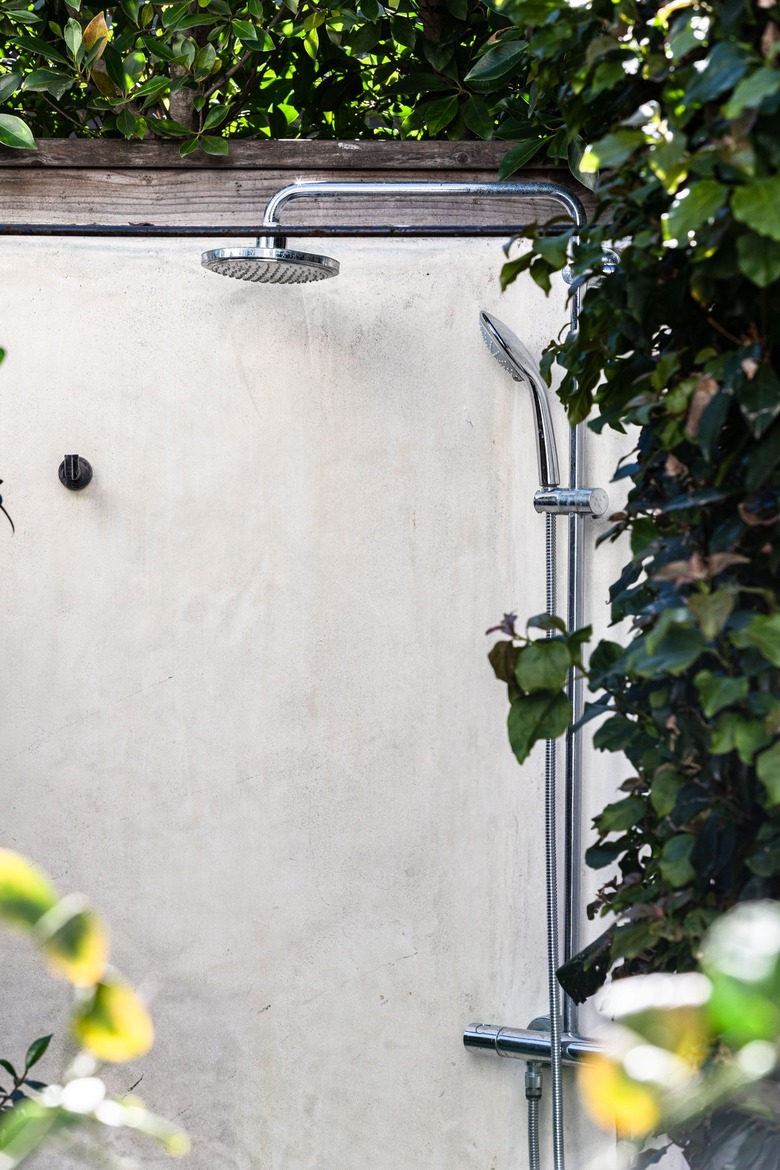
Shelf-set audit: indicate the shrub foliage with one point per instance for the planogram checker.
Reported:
(680, 103)
(204, 71)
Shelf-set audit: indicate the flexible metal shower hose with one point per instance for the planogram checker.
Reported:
(534, 1161)
(551, 865)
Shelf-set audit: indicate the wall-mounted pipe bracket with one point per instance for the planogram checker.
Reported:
(591, 502)
(528, 1044)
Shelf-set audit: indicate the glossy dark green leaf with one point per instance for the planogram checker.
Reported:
(213, 145)
(477, 117)
(693, 208)
(10, 83)
(763, 633)
(16, 133)
(440, 113)
(543, 665)
(534, 717)
(502, 659)
(768, 771)
(759, 259)
(675, 860)
(499, 62)
(719, 690)
(36, 1051)
(725, 66)
(757, 204)
(519, 155)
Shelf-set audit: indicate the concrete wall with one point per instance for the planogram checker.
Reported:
(247, 704)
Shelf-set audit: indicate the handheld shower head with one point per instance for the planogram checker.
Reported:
(270, 264)
(511, 355)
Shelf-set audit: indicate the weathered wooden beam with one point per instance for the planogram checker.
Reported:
(77, 181)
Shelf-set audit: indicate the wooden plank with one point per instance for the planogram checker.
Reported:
(224, 197)
(293, 154)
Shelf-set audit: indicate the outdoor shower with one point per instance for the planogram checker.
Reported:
(270, 260)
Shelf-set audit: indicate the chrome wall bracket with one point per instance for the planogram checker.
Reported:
(559, 501)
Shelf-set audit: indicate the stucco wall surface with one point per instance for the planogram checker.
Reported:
(247, 705)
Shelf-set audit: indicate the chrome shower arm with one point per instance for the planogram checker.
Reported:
(337, 190)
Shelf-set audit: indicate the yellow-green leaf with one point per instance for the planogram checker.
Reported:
(26, 894)
(112, 1023)
(74, 941)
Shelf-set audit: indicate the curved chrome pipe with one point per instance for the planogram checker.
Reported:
(519, 190)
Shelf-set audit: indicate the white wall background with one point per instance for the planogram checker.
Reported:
(247, 706)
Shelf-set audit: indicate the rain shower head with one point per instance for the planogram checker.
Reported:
(270, 264)
(511, 355)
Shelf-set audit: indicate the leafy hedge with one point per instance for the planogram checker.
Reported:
(205, 71)
(681, 103)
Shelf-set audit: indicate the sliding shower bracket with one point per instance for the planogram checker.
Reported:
(559, 501)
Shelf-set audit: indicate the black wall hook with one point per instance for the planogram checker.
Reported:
(75, 473)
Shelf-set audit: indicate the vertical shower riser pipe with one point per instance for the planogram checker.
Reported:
(551, 880)
(573, 759)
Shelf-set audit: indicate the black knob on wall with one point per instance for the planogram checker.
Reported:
(75, 473)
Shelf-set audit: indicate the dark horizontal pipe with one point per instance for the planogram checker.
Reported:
(153, 231)
(527, 1044)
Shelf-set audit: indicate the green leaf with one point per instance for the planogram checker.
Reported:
(477, 117)
(665, 789)
(36, 1051)
(73, 37)
(204, 61)
(534, 717)
(213, 145)
(438, 114)
(611, 150)
(546, 621)
(502, 659)
(26, 894)
(9, 85)
(763, 633)
(757, 204)
(768, 771)
(16, 133)
(621, 815)
(615, 734)
(543, 665)
(724, 67)
(692, 208)
(497, 64)
(759, 259)
(519, 155)
(9, 1068)
(719, 690)
(752, 90)
(188, 147)
(458, 8)
(215, 116)
(675, 862)
(712, 611)
(734, 732)
(47, 81)
(125, 123)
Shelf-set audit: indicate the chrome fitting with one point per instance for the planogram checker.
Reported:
(528, 1044)
(565, 501)
(533, 1080)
